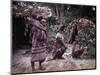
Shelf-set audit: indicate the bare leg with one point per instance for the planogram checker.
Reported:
(40, 65)
(32, 65)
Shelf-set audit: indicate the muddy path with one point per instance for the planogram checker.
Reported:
(21, 63)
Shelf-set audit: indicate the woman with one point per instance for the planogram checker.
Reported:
(39, 37)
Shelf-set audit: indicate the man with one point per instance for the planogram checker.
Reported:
(59, 47)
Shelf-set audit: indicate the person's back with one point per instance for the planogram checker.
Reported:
(77, 50)
(60, 46)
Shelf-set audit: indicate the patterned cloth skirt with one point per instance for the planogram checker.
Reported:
(38, 55)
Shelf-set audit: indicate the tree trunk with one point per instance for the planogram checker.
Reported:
(57, 11)
(61, 13)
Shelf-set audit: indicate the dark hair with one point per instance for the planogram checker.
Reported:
(62, 28)
(40, 18)
(34, 16)
(14, 2)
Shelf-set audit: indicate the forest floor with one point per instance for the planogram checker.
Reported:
(21, 63)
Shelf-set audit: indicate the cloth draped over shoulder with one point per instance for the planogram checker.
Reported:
(39, 37)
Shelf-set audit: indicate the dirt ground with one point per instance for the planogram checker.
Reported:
(21, 63)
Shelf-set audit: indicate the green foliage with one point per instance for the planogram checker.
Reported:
(67, 13)
(92, 51)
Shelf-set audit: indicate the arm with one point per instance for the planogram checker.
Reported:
(63, 43)
(39, 25)
(36, 23)
(61, 39)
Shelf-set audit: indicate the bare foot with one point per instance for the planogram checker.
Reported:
(41, 68)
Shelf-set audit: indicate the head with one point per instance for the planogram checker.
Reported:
(44, 22)
(39, 18)
(34, 16)
(58, 22)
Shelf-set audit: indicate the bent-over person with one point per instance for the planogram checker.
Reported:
(59, 47)
(77, 50)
